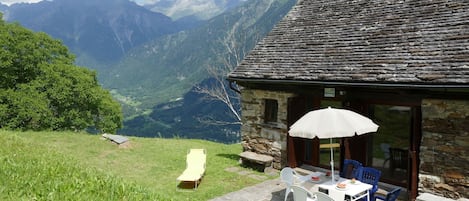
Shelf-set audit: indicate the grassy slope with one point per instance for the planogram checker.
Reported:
(73, 166)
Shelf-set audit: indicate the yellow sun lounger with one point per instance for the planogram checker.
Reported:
(195, 167)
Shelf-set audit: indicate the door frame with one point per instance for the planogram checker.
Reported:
(359, 102)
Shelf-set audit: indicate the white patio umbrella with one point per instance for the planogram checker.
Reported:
(332, 123)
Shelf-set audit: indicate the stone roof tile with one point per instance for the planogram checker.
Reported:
(388, 41)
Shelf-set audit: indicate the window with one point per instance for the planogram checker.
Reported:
(325, 144)
(271, 109)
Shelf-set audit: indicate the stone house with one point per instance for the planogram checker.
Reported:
(404, 64)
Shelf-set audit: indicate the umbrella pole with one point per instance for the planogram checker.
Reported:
(332, 161)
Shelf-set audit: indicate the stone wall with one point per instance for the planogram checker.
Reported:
(444, 152)
(264, 138)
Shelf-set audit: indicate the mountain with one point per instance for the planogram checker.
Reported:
(99, 32)
(199, 9)
(193, 116)
(151, 62)
(165, 70)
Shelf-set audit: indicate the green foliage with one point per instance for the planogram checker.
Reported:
(41, 88)
(24, 108)
(78, 166)
(194, 116)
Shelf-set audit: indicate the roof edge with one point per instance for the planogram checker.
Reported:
(356, 84)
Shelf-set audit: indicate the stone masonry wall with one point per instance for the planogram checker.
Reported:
(444, 152)
(264, 138)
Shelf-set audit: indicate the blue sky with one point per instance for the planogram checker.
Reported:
(9, 2)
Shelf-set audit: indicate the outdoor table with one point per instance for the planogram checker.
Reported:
(354, 191)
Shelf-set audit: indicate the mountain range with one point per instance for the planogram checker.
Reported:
(151, 62)
(98, 32)
(200, 9)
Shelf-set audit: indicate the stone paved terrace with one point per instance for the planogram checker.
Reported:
(273, 190)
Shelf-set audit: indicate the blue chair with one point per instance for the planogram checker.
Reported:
(351, 169)
(391, 196)
(370, 176)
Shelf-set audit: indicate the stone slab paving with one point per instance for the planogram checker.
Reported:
(270, 190)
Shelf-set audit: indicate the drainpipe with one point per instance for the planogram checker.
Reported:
(233, 88)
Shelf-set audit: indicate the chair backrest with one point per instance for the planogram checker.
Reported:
(287, 175)
(385, 148)
(320, 196)
(350, 169)
(392, 195)
(196, 158)
(371, 176)
(300, 194)
(399, 158)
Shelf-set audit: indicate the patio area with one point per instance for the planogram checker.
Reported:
(274, 190)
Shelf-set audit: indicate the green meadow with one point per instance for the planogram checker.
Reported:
(79, 166)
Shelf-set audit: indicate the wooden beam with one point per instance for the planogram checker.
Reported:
(328, 146)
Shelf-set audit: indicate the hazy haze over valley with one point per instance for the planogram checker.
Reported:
(203, 9)
(151, 61)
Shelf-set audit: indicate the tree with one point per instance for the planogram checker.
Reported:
(234, 46)
(233, 53)
(41, 88)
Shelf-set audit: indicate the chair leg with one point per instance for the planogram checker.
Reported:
(287, 191)
(384, 163)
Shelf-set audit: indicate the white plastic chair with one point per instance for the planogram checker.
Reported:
(286, 175)
(320, 196)
(301, 194)
(290, 177)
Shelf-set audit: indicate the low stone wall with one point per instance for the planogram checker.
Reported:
(444, 152)
(259, 137)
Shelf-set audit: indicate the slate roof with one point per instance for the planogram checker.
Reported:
(365, 41)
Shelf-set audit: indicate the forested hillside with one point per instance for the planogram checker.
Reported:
(165, 71)
(42, 89)
(166, 68)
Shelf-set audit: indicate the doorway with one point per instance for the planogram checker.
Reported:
(315, 152)
(386, 150)
(390, 145)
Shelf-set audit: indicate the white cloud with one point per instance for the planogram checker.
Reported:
(9, 2)
(145, 2)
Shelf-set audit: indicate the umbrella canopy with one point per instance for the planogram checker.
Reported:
(332, 123)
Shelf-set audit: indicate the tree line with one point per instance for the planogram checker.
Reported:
(42, 89)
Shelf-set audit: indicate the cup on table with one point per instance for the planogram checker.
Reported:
(336, 176)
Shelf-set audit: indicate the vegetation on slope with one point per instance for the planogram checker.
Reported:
(78, 166)
(161, 74)
(164, 69)
(30, 171)
(41, 88)
(194, 116)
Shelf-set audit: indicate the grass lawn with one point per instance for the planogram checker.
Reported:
(78, 166)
